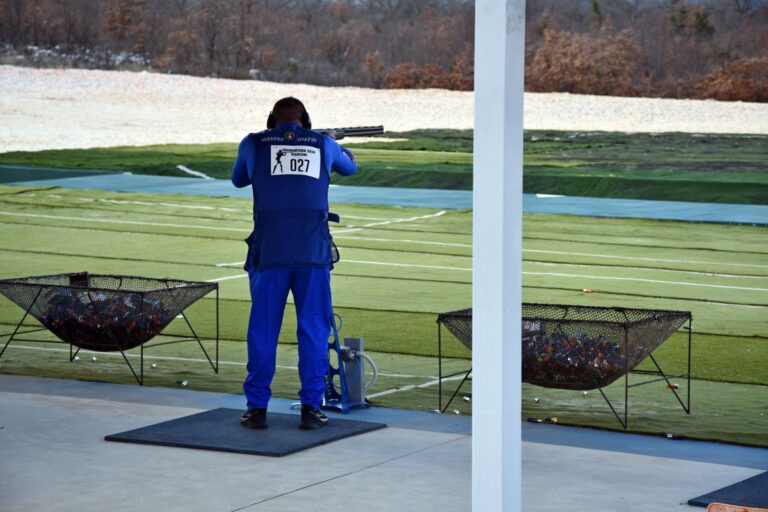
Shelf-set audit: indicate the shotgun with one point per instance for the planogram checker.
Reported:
(356, 131)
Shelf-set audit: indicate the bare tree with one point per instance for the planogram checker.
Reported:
(742, 6)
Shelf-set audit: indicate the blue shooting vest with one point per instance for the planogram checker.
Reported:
(290, 176)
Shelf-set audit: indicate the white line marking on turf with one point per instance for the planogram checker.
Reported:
(732, 305)
(131, 222)
(413, 386)
(226, 278)
(641, 259)
(148, 203)
(233, 264)
(199, 174)
(348, 230)
(641, 280)
(409, 219)
(405, 375)
(352, 229)
(422, 242)
(192, 360)
(366, 218)
(643, 269)
(407, 265)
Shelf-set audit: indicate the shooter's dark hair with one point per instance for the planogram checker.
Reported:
(289, 109)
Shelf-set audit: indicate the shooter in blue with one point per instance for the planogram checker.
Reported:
(289, 250)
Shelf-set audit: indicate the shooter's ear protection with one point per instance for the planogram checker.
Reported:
(306, 122)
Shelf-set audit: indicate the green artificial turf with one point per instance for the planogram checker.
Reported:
(213, 159)
(673, 166)
(399, 268)
(394, 278)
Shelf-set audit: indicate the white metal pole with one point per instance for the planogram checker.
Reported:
(497, 256)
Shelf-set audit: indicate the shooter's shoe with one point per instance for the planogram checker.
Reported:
(255, 419)
(312, 418)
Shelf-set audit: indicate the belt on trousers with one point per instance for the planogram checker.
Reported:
(296, 214)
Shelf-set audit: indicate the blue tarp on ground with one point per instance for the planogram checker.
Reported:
(428, 198)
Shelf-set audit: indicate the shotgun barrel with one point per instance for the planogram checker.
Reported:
(355, 131)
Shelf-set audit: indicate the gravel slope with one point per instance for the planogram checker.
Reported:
(55, 108)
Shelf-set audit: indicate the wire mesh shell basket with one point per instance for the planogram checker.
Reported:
(103, 312)
(580, 347)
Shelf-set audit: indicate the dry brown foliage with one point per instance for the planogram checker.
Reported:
(431, 76)
(583, 64)
(741, 80)
(374, 68)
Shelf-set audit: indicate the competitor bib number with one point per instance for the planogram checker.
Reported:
(296, 161)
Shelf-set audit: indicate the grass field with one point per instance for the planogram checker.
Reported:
(680, 167)
(399, 268)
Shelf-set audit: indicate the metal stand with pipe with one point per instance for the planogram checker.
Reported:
(350, 370)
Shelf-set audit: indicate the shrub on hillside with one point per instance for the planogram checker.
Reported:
(410, 76)
(584, 64)
(740, 80)
(459, 76)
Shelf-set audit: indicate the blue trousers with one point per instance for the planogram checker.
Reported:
(311, 288)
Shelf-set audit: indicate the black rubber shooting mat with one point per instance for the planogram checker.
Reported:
(752, 492)
(220, 430)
